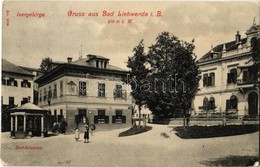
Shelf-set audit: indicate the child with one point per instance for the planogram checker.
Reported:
(86, 134)
(76, 134)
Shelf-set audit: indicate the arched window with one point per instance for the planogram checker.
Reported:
(212, 103)
(205, 103)
(233, 102)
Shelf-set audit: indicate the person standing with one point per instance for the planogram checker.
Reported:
(86, 134)
(77, 134)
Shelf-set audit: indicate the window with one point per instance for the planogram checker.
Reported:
(12, 82)
(212, 103)
(205, 104)
(101, 90)
(25, 84)
(55, 91)
(3, 81)
(11, 101)
(101, 118)
(61, 112)
(49, 94)
(40, 98)
(232, 76)
(44, 94)
(119, 118)
(101, 64)
(82, 116)
(61, 88)
(209, 79)
(245, 76)
(231, 103)
(82, 88)
(118, 93)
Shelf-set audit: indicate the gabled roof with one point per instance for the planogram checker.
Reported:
(12, 68)
(230, 46)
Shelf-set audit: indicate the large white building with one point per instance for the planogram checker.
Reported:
(229, 81)
(17, 84)
(88, 90)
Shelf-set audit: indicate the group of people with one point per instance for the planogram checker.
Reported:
(86, 133)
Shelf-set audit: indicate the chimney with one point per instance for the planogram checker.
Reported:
(238, 37)
(69, 59)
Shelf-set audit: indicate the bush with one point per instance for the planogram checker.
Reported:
(193, 132)
(135, 130)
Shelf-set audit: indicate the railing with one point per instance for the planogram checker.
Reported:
(246, 82)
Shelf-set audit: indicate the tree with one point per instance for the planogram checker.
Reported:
(168, 75)
(46, 64)
(256, 58)
(138, 72)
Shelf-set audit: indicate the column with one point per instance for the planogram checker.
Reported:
(24, 123)
(42, 126)
(16, 121)
(12, 120)
(12, 128)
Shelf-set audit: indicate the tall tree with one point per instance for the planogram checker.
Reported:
(256, 58)
(46, 64)
(167, 76)
(136, 63)
(173, 66)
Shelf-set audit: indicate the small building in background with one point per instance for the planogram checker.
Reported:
(17, 89)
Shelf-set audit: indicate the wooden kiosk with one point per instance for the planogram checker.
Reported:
(28, 120)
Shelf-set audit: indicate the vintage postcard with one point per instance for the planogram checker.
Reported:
(130, 83)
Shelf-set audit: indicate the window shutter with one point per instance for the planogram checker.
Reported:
(228, 78)
(107, 119)
(124, 119)
(95, 119)
(15, 83)
(227, 104)
(113, 119)
(205, 80)
(212, 77)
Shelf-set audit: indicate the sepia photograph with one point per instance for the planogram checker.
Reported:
(130, 83)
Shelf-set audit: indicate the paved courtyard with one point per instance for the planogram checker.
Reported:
(107, 149)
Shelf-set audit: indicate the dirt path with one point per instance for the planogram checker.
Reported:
(106, 148)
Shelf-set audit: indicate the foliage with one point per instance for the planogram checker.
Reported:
(194, 132)
(139, 72)
(135, 130)
(46, 64)
(167, 75)
(256, 54)
(232, 160)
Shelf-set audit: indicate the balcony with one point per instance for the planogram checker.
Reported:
(247, 81)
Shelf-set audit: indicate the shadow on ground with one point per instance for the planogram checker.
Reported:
(232, 160)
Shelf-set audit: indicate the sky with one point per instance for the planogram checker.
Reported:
(27, 40)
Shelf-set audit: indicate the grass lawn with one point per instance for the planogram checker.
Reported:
(195, 132)
(135, 130)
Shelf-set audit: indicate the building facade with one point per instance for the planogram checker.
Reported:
(87, 91)
(17, 89)
(228, 79)
(17, 84)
